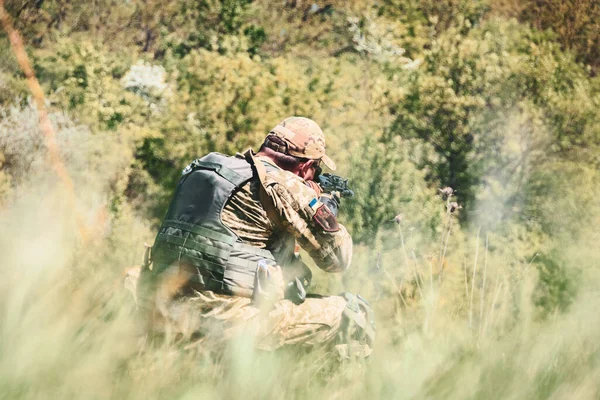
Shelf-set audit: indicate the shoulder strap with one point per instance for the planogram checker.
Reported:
(265, 199)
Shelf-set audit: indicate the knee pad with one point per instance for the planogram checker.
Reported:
(359, 311)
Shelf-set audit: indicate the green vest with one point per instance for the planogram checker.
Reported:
(193, 232)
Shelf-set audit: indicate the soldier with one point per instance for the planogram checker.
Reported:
(224, 261)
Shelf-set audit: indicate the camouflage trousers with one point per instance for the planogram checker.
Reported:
(171, 308)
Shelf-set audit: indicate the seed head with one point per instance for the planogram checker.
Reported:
(447, 192)
(454, 206)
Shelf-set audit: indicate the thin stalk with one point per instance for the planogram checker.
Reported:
(492, 308)
(495, 299)
(482, 293)
(445, 225)
(473, 280)
(433, 302)
(527, 267)
(417, 274)
(403, 246)
(395, 286)
(481, 300)
(466, 279)
(443, 254)
(445, 233)
(431, 278)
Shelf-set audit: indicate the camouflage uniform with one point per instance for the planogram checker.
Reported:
(244, 214)
(272, 320)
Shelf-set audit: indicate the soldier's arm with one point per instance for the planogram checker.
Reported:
(314, 226)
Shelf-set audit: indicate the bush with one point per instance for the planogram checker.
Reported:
(387, 185)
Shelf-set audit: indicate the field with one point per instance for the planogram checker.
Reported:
(486, 290)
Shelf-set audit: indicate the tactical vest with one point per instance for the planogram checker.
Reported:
(193, 232)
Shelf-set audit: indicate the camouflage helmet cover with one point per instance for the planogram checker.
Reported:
(303, 138)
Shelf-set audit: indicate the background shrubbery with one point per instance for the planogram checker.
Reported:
(485, 293)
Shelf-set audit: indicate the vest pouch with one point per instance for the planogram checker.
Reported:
(245, 264)
(224, 268)
(200, 248)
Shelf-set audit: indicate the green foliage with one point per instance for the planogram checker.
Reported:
(84, 79)
(439, 15)
(412, 95)
(574, 24)
(386, 185)
(256, 37)
(471, 86)
(493, 106)
(557, 286)
(449, 106)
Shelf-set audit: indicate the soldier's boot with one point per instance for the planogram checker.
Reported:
(357, 332)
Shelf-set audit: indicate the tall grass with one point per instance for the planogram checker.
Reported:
(68, 328)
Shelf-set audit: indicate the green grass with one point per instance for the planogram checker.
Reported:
(68, 331)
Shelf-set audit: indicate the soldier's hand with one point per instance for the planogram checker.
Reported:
(269, 285)
(332, 201)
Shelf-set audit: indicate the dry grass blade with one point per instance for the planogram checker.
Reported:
(473, 280)
(482, 295)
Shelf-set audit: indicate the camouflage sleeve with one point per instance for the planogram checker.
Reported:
(329, 245)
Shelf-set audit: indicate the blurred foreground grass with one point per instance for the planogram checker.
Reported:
(68, 329)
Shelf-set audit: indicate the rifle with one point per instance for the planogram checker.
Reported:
(334, 185)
